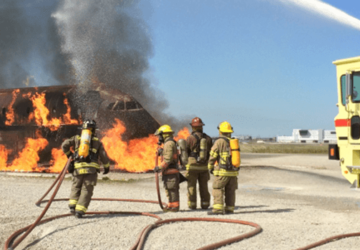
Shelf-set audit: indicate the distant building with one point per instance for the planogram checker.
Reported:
(309, 136)
(330, 136)
(244, 137)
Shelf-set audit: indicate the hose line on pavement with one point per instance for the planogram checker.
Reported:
(142, 236)
(61, 178)
(157, 180)
(328, 240)
(12, 244)
(139, 243)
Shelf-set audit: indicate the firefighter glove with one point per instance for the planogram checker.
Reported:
(71, 167)
(157, 169)
(70, 155)
(212, 171)
(106, 170)
(160, 151)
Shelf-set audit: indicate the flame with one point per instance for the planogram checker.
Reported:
(10, 115)
(137, 155)
(58, 161)
(3, 156)
(182, 134)
(67, 116)
(41, 112)
(28, 157)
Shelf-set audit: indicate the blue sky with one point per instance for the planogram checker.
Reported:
(263, 65)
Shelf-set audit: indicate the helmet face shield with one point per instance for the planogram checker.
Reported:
(158, 132)
(164, 129)
(161, 139)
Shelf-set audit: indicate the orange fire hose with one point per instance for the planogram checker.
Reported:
(214, 245)
(10, 244)
(56, 180)
(327, 240)
(142, 237)
(157, 179)
(61, 178)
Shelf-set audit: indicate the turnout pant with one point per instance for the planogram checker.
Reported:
(224, 185)
(171, 185)
(201, 176)
(81, 191)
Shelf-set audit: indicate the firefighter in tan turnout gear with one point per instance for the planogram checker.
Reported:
(226, 153)
(168, 167)
(198, 148)
(87, 151)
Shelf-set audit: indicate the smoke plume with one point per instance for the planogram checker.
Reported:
(15, 44)
(79, 42)
(29, 42)
(326, 10)
(108, 41)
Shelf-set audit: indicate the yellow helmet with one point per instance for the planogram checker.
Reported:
(164, 129)
(225, 127)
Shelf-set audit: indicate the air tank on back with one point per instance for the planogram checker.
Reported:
(203, 150)
(183, 151)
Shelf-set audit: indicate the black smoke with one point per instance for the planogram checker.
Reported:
(15, 43)
(80, 42)
(29, 41)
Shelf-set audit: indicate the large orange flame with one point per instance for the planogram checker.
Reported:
(10, 115)
(28, 157)
(137, 155)
(41, 112)
(58, 160)
(182, 134)
(3, 156)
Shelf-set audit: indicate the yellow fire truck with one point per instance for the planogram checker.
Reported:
(347, 121)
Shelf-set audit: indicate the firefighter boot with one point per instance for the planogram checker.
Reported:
(215, 212)
(72, 210)
(79, 214)
(229, 209)
(170, 209)
(192, 205)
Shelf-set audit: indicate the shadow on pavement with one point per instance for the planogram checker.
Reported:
(285, 210)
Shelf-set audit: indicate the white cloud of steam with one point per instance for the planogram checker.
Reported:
(80, 40)
(108, 41)
(326, 10)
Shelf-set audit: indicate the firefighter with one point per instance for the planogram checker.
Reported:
(87, 151)
(168, 167)
(198, 146)
(225, 172)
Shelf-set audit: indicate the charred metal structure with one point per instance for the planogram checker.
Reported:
(99, 103)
